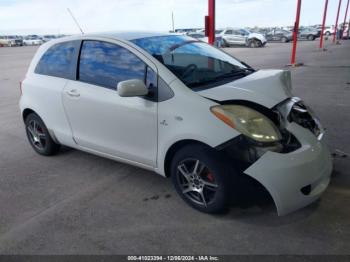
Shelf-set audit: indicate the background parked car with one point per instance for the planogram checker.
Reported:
(262, 31)
(279, 35)
(239, 36)
(344, 30)
(32, 40)
(10, 41)
(308, 34)
(186, 30)
(318, 28)
(201, 36)
(47, 38)
(329, 30)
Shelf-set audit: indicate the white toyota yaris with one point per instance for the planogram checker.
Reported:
(181, 108)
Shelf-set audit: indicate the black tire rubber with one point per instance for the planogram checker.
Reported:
(284, 39)
(224, 43)
(51, 148)
(310, 38)
(219, 168)
(254, 43)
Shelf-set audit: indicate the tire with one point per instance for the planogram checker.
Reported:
(310, 37)
(39, 137)
(225, 44)
(328, 33)
(254, 43)
(207, 190)
(284, 39)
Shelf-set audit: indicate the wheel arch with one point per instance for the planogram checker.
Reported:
(175, 148)
(28, 111)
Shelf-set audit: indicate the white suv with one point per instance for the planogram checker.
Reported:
(239, 36)
(181, 108)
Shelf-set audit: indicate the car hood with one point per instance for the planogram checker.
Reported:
(264, 87)
(258, 36)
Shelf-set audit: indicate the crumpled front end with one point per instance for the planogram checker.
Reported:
(297, 169)
(298, 177)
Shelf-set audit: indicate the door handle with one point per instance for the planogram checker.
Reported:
(73, 93)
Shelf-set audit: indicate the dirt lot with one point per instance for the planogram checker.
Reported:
(76, 203)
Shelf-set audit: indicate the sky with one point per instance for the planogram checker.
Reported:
(51, 16)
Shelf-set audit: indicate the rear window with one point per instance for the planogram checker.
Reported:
(59, 60)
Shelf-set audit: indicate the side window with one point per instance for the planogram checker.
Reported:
(59, 60)
(107, 64)
(229, 32)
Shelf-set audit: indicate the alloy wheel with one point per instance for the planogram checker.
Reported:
(196, 181)
(37, 135)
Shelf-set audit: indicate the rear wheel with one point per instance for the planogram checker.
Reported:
(311, 38)
(39, 137)
(202, 178)
(284, 40)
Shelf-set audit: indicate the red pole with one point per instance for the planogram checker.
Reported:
(295, 34)
(336, 22)
(346, 14)
(323, 23)
(211, 28)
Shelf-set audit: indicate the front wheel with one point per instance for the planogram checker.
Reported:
(202, 178)
(225, 43)
(39, 136)
(254, 43)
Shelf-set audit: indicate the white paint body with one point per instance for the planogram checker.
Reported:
(233, 36)
(32, 41)
(140, 132)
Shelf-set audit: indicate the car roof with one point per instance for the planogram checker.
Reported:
(128, 36)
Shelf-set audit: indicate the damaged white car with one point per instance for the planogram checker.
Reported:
(181, 108)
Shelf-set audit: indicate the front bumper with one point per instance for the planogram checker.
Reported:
(298, 178)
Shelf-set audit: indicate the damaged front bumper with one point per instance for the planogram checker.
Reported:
(295, 171)
(298, 178)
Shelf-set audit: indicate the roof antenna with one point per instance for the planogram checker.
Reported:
(75, 20)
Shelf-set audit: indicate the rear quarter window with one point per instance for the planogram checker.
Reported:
(59, 60)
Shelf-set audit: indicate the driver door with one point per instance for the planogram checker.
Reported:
(101, 120)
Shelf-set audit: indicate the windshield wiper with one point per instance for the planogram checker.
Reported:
(235, 73)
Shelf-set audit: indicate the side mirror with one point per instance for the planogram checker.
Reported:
(133, 87)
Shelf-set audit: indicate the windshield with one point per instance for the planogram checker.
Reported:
(245, 31)
(196, 64)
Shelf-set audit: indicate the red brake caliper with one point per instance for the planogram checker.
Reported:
(210, 177)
